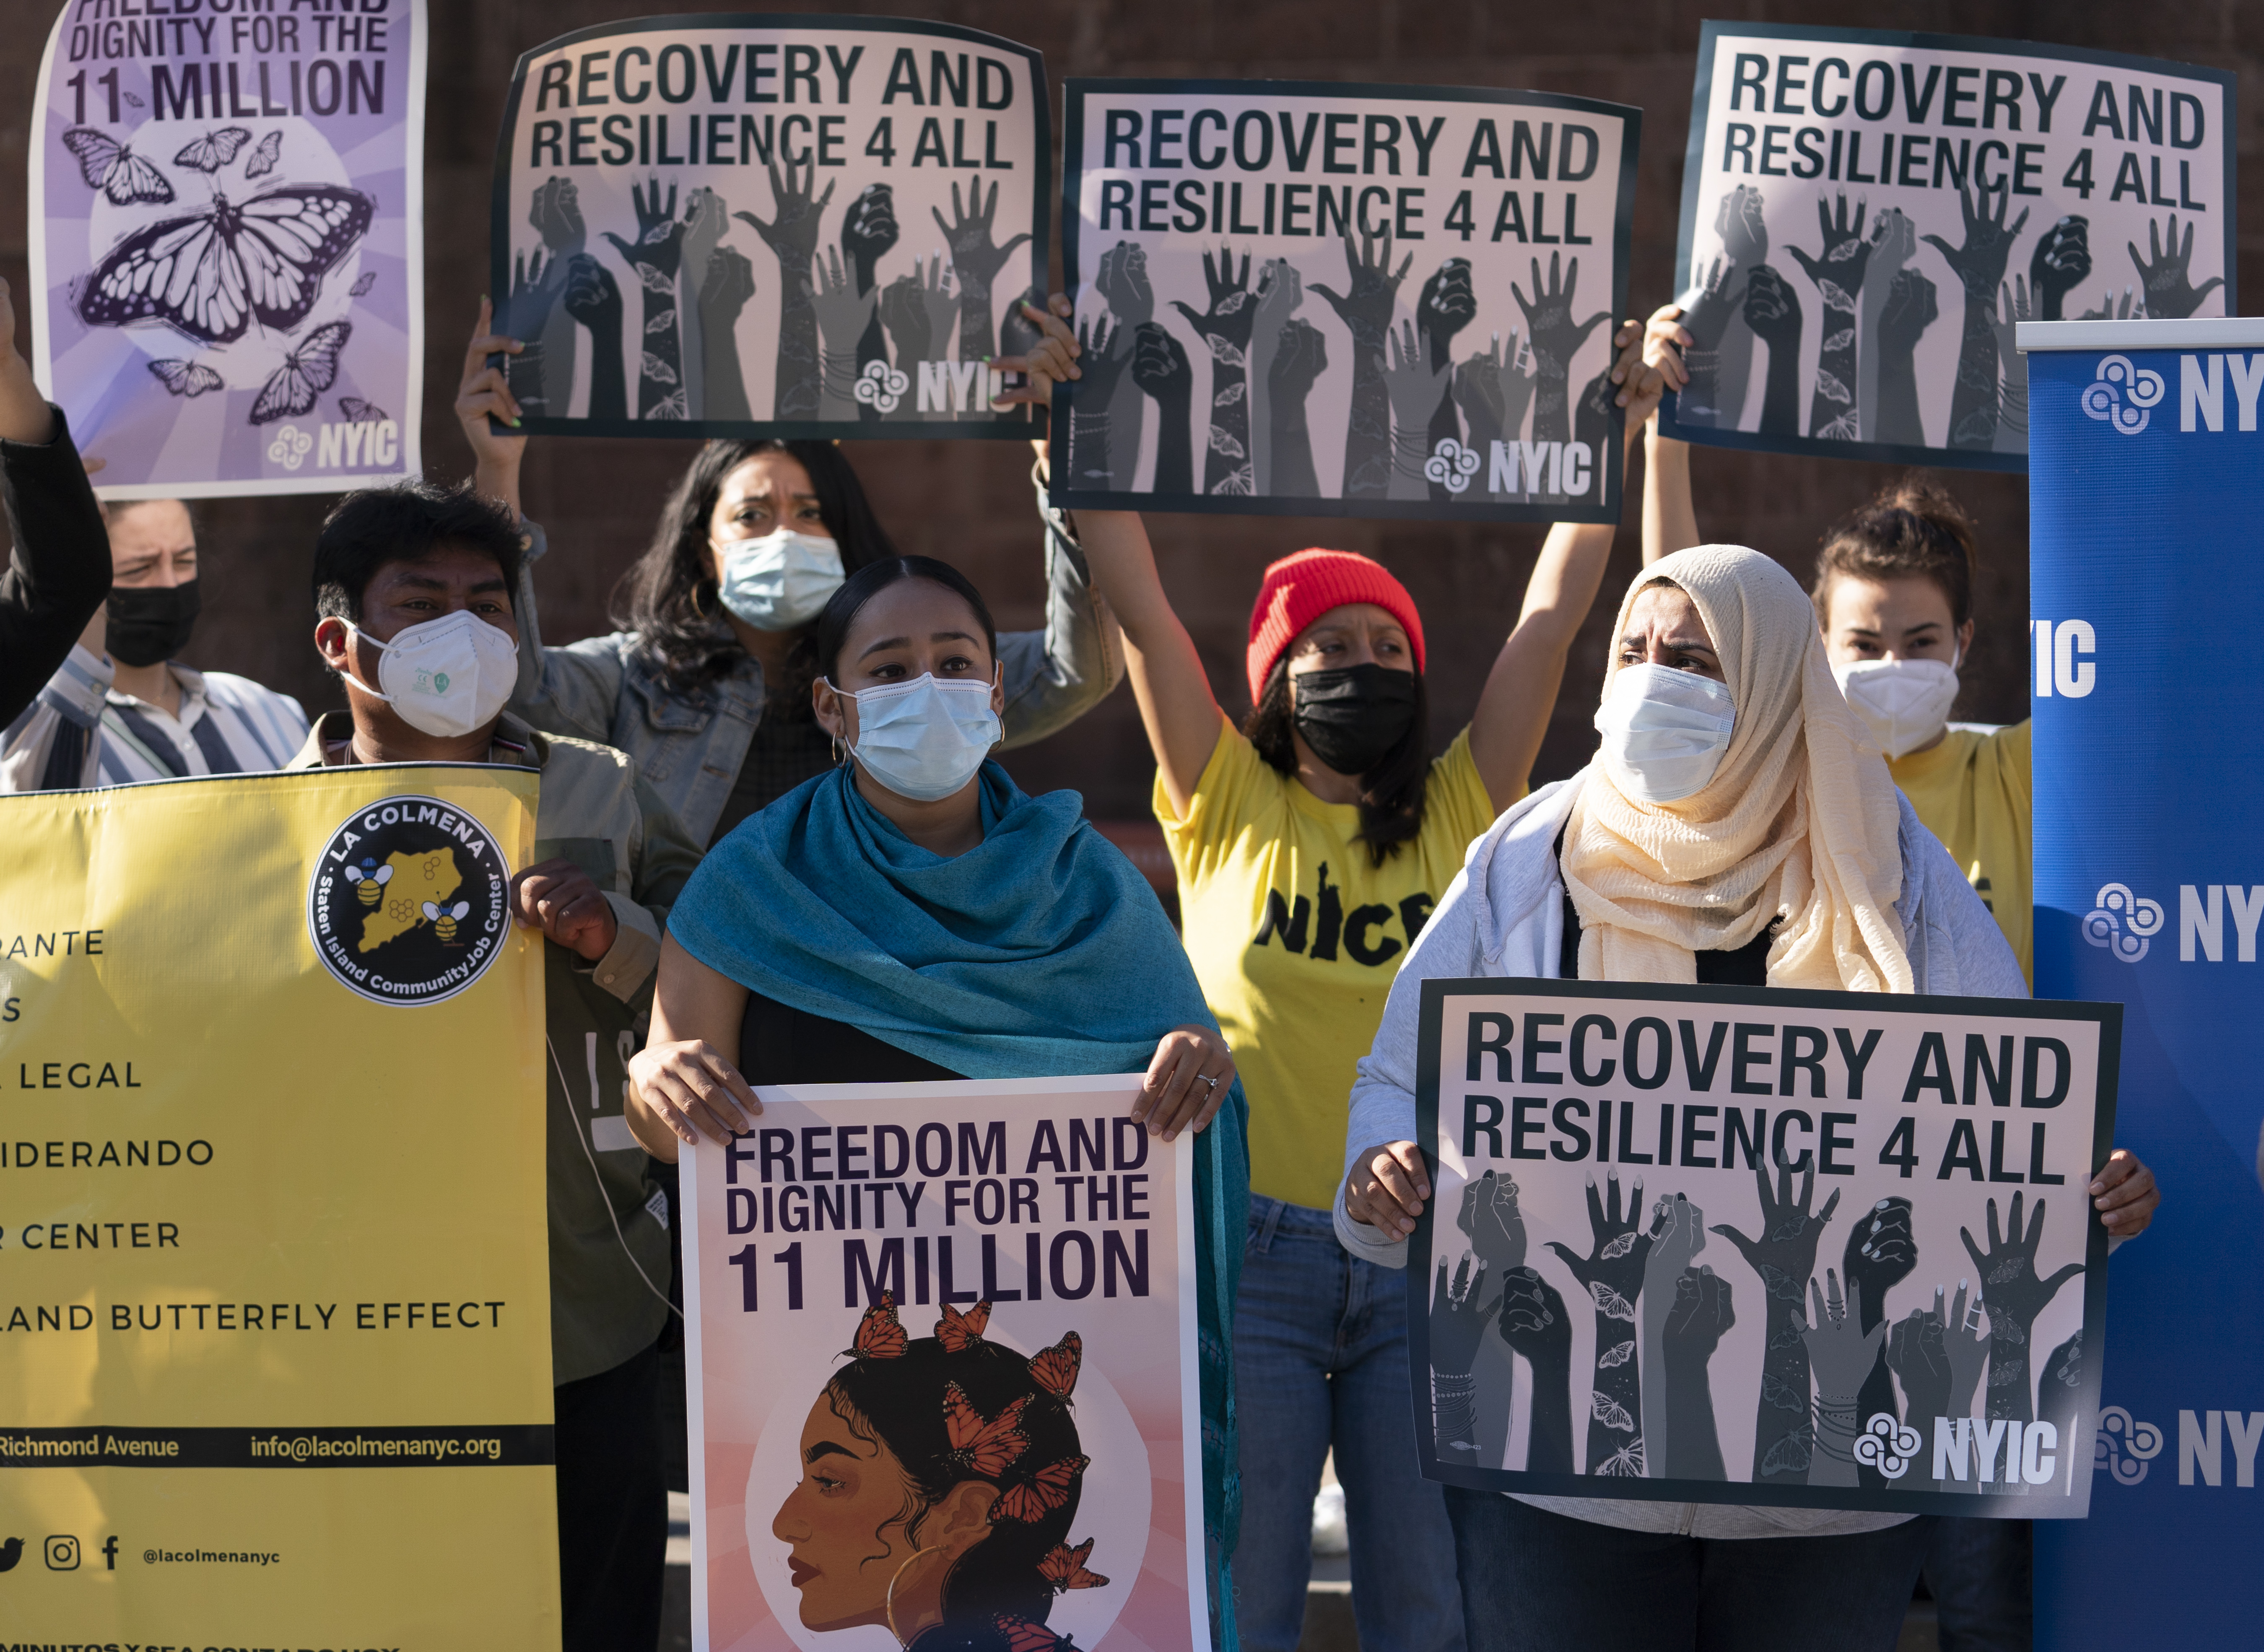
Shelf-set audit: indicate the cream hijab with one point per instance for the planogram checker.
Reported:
(1800, 819)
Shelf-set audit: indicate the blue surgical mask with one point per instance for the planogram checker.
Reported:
(1665, 732)
(781, 581)
(924, 739)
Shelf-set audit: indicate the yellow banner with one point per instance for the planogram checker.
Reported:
(274, 1312)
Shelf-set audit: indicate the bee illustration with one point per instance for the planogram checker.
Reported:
(443, 918)
(369, 880)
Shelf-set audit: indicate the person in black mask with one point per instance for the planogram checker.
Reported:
(123, 707)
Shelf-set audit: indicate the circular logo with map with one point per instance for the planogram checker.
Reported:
(410, 900)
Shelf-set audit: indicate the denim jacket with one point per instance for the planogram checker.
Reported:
(689, 747)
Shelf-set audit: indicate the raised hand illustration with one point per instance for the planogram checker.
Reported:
(1447, 305)
(1458, 1313)
(555, 214)
(843, 315)
(1556, 338)
(1910, 309)
(2059, 1394)
(1493, 1224)
(724, 295)
(1280, 291)
(536, 286)
(2014, 1297)
(706, 218)
(1743, 231)
(1837, 276)
(2168, 277)
(1494, 389)
(1894, 240)
(2011, 309)
(1773, 313)
(1105, 353)
(1415, 386)
(1678, 1233)
(797, 213)
(976, 257)
(1841, 1354)
(1302, 358)
(1122, 281)
(868, 234)
(2130, 309)
(1612, 1271)
(1783, 1254)
(1372, 288)
(1225, 330)
(1938, 1360)
(1160, 368)
(592, 299)
(1696, 1319)
(1534, 1322)
(2060, 263)
(1979, 264)
(1880, 1254)
(1597, 420)
(1716, 292)
(654, 256)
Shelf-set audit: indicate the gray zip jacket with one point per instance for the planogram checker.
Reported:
(1504, 915)
(688, 747)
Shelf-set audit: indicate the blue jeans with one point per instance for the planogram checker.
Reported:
(1539, 1582)
(1982, 1577)
(1320, 1359)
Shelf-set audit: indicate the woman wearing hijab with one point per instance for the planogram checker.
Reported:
(1735, 829)
(911, 914)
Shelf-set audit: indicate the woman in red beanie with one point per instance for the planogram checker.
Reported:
(1311, 844)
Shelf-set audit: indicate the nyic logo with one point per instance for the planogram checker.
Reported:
(409, 902)
(2122, 922)
(2121, 393)
(2123, 1445)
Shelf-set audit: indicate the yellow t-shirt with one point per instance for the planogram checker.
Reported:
(1296, 936)
(1973, 792)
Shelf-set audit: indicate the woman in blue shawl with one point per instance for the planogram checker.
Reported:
(912, 915)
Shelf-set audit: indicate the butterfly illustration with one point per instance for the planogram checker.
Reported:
(879, 1335)
(1065, 1568)
(186, 378)
(306, 373)
(987, 1448)
(1054, 1369)
(114, 169)
(1022, 1635)
(363, 283)
(1042, 1493)
(954, 1331)
(214, 272)
(264, 158)
(211, 152)
(135, 101)
(361, 412)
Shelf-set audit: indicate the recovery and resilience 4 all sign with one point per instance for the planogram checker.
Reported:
(271, 1197)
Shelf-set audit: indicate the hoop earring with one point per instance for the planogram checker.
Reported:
(840, 753)
(889, 1599)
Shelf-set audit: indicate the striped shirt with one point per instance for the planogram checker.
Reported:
(82, 732)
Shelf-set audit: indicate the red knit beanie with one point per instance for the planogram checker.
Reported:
(1300, 589)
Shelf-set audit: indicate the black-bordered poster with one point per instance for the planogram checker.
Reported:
(796, 226)
(1316, 299)
(1867, 214)
(1792, 1248)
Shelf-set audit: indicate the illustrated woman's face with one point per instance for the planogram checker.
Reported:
(836, 1521)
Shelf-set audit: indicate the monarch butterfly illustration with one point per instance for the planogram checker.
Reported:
(363, 282)
(360, 411)
(214, 151)
(306, 373)
(186, 378)
(264, 158)
(114, 169)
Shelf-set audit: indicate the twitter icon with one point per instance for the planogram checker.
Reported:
(11, 1551)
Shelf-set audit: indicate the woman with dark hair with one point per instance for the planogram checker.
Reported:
(941, 1480)
(707, 684)
(911, 915)
(1311, 842)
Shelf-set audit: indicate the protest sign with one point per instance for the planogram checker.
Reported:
(1303, 262)
(985, 1290)
(1743, 1243)
(1877, 211)
(274, 1291)
(227, 218)
(785, 226)
(2145, 854)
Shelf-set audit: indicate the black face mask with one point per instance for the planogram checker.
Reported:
(150, 623)
(1354, 716)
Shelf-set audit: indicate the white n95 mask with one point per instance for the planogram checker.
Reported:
(447, 676)
(780, 581)
(1904, 702)
(924, 739)
(1664, 731)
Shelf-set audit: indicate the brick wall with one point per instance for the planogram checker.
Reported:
(969, 502)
